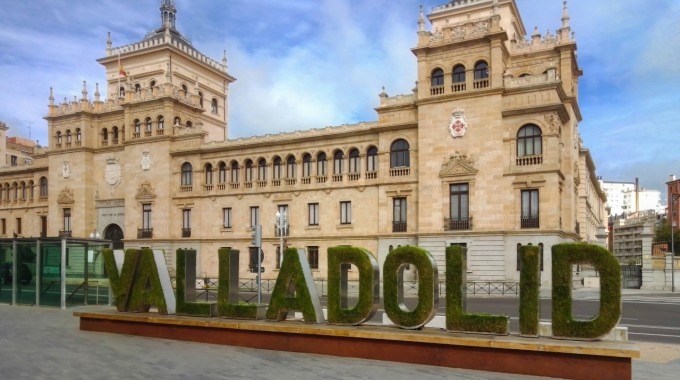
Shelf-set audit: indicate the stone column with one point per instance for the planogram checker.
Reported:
(647, 269)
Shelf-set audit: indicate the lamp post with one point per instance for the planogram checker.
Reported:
(674, 197)
(281, 226)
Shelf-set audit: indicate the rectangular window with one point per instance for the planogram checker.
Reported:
(186, 223)
(321, 167)
(530, 215)
(226, 217)
(254, 216)
(67, 220)
(346, 212)
(313, 257)
(459, 207)
(313, 214)
(146, 216)
(18, 226)
(43, 226)
(399, 215)
(3, 226)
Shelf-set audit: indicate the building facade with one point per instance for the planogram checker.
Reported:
(485, 152)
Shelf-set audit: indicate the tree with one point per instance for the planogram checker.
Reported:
(663, 234)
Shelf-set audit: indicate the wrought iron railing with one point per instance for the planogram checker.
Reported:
(457, 224)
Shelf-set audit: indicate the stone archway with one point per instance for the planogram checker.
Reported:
(114, 233)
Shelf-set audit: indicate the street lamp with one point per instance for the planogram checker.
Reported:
(674, 197)
(281, 226)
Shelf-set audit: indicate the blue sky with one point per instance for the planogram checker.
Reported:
(304, 64)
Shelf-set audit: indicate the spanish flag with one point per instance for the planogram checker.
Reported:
(121, 69)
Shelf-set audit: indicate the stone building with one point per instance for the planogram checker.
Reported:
(485, 152)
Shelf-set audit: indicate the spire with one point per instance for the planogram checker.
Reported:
(421, 20)
(224, 61)
(168, 14)
(84, 92)
(51, 97)
(495, 7)
(108, 43)
(565, 16)
(96, 91)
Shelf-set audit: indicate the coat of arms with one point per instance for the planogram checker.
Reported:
(458, 124)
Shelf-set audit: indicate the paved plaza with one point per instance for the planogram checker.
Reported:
(45, 343)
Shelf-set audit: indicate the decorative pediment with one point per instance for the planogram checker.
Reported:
(457, 165)
(145, 191)
(65, 196)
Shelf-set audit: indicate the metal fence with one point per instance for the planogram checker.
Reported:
(206, 289)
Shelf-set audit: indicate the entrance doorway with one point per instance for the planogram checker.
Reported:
(114, 233)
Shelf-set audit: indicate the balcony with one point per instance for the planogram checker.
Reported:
(437, 90)
(458, 87)
(457, 224)
(399, 172)
(144, 233)
(306, 180)
(353, 176)
(372, 175)
(186, 188)
(338, 177)
(398, 226)
(66, 234)
(186, 232)
(529, 222)
(529, 160)
(321, 179)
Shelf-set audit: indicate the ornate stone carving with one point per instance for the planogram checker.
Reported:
(146, 161)
(554, 123)
(112, 172)
(480, 27)
(66, 169)
(457, 165)
(458, 124)
(145, 191)
(437, 35)
(458, 33)
(65, 196)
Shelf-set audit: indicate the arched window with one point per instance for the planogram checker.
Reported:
(185, 89)
(321, 169)
(105, 135)
(262, 170)
(249, 170)
(177, 122)
(213, 106)
(306, 165)
(152, 84)
(189, 124)
(161, 123)
(372, 159)
(399, 154)
(138, 127)
(79, 135)
(354, 161)
(114, 135)
(276, 168)
(58, 138)
(121, 91)
(138, 88)
(234, 172)
(337, 161)
(187, 174)
(208, 174)
(437, 77)
(459, 74)
(458, 78)
(148, 125)
(290, 167)
(43, 187)
(529, 141)
(481, 70)
(68, 136)
(15, 188)
(23, 190)
(222, 174)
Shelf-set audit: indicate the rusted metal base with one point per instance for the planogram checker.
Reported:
(539, 357)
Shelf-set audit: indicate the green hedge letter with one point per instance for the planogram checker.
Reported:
(143, 281)
(369, 285)
(227, 289)
(295, 290)
(529, 290)
(393, 278)
(563, 257)
(457, 320)
(186, 275)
